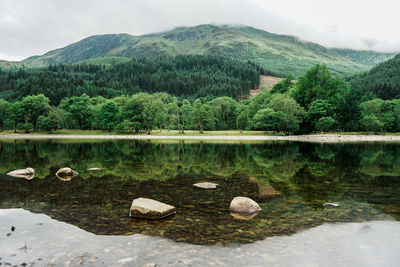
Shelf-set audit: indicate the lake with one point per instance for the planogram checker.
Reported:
(291, 181)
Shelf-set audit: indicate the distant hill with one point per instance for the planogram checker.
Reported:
(383, 80)
(279, 54)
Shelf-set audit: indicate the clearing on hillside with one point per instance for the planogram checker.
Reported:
(266, 82)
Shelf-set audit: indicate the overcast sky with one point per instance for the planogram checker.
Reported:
(31, 27)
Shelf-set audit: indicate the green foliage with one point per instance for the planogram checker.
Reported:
(386, 112)
(370, 123)
(224, 110)
(183, 76)
(108, 116)
(318, 109)
(269, 120)
(382, 81)
(44, 123)
(318, 83)
(328, 104)
(283, 86)
(242, 121)
(33, 107)
(4, 109)
(79, 110)
(325, 124)
(201, 116)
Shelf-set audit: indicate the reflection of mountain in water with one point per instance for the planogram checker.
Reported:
(304, 176)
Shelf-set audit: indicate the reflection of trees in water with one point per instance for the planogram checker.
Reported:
(275, 163)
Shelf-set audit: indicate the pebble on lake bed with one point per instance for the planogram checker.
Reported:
(206, 185)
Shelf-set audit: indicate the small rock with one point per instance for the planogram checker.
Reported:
(27, 173)
(125, 260)
(206, 185)
(244, 205)
(66, 174)
(328, 204)
(150, 209)
(13, 228)
(94, 169)
(149, 265)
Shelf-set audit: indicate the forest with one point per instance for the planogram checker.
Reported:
(183, 76)
(192, 92)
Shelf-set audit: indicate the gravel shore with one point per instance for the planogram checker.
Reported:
(321, 138)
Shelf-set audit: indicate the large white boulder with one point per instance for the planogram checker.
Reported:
(27, 173)
(244, 205)
(150, 209)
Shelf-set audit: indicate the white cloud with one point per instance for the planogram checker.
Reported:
(32, 27)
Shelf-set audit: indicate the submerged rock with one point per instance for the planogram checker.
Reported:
(206, 185)
(265, 192)
(328, 204)
(66, 174)
(244, 205)
(243, 216)
(94, 169)
(27, 173)
(150, 209)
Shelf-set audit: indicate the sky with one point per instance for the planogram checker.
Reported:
(34, 27)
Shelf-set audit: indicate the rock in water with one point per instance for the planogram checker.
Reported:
(94, 169)
(328, 204)
(206, 185)
(27, 173)
(150, 209)
(244, 205)
(66, 174)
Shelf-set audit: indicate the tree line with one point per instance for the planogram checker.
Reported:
(316, 101)
(182, 76)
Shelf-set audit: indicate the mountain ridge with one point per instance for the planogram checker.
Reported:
(279, 54)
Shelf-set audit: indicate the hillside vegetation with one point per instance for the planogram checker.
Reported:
(182, 76)
(316, 101)
(383, 81)
(279, 54)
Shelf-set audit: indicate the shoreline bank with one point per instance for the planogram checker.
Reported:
(319, 138)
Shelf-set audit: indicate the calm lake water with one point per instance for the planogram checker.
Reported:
(291, 182)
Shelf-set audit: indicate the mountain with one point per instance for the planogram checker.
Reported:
(383, 81)
(279, 54)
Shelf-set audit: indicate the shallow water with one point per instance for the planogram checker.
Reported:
(41, 241)
(290, 181)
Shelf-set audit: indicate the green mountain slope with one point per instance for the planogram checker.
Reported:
(368, 58)
(279, 54)
(383, 80)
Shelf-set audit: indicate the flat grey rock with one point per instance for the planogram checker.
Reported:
(206, 185)
(94, 169)
(150, 209)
